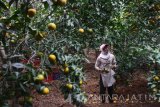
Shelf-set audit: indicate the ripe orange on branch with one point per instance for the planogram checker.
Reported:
(52, 26)
(80, 82)
(61, 2)
(156, 78)
(31, 12)
(45, 90)
(90, 30)
(69, 86)
(52, 58)
(42, 90)
(39, 77)
(66, 70)
(81, 30)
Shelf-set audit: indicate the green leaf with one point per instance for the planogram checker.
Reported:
(15, 15)
(2, 5)
(149, 83)
(158, 94)
(33, 72)
(23, 88)
(153, 86)
(149, 78)
(17, 74)
(5, 104)
(11, 2)
(46, 5)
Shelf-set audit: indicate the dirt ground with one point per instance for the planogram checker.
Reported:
(134, 94)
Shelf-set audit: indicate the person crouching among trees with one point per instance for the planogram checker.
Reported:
(106, 63)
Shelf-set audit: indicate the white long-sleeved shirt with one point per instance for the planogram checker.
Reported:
(106, 62)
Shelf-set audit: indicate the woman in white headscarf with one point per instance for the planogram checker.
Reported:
(105, 63)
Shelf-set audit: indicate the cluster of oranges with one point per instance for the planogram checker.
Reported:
(42, 89)
(51, 26)
(81, 30)
(52, 58)
(31, 12)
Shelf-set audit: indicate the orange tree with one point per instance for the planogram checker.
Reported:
(130, 26)
(133, 30)
(40, 34)
(154, 78)
(134, 26)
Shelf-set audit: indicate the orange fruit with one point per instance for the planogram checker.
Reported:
(45, 90)
(31, 12)
(61, 2)
(156, 78)
(90, 30)
(52, 57)
(40, 77)
(80, 82)
(66, 70)
(81, 30)
(69, 86)
(52, 26)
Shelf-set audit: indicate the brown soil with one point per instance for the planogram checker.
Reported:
(134, 94)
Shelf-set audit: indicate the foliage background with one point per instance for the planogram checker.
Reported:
(131, 27)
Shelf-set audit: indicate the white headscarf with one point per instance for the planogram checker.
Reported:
(102, 46)
(102, 54)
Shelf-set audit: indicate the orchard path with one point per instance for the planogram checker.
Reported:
(137, 86)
